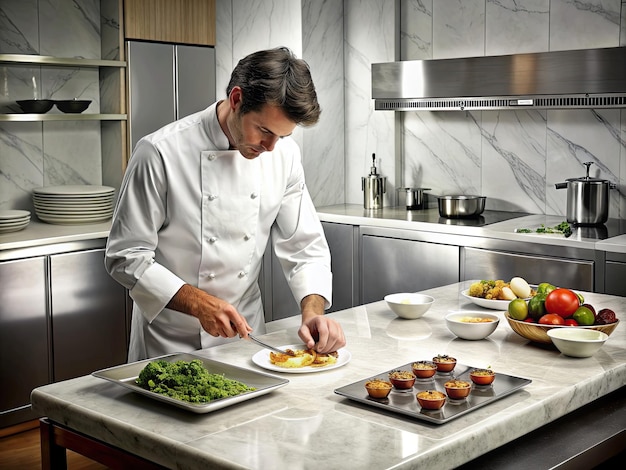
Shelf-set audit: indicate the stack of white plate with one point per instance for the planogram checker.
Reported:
(12, 220)
(74, 204)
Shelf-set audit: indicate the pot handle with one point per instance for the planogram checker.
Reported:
(560, 185)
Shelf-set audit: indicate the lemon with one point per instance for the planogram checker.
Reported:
(518, 309)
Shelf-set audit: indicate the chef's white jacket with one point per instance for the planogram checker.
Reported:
(191, 211)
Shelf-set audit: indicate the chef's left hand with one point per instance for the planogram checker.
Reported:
(318, 331)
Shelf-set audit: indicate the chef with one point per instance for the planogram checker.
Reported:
(199, 202)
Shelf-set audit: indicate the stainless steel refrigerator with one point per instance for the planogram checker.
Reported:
(166, 82)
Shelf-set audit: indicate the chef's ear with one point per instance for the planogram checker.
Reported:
(235, 97)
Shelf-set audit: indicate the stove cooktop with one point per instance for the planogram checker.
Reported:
(486, 218)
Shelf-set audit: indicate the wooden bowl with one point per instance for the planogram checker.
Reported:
(539, 333)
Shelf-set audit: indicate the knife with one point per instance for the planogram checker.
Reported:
(261, 343)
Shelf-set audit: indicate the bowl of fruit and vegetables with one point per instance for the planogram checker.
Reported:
(556, 307)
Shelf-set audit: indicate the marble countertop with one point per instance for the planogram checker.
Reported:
(400, 218)
(38, 233)
(306, 425)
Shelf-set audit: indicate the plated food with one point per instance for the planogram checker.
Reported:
(457, 389)
(424, 369)
(402, 379)
(303, 358)
(342, 357)
(472, 325)
(496, 294)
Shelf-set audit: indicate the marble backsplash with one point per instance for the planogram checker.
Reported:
(513, 158)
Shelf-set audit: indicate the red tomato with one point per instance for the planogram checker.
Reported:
(551, 319)
(529, 320)
(571, 322)
(563, 302)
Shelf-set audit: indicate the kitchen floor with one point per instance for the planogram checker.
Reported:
(22, 450)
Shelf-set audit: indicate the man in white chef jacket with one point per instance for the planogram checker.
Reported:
(201, 198)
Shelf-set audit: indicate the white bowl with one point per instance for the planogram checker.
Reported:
(461, 325)
(577, 342)
(409, 305)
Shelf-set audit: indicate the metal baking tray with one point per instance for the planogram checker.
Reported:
(405, 402)
(125, 375)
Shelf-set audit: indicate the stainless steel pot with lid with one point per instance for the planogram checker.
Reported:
(412, 198)
(587, 199)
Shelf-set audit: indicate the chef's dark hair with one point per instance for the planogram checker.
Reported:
(278, 77)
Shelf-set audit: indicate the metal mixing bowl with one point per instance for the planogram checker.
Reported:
(453, 207)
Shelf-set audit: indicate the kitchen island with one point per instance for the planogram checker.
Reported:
(306, 425)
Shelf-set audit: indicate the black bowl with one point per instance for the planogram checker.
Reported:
(36, 106)
(73, 106)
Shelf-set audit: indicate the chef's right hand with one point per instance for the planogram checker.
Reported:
(217, 317)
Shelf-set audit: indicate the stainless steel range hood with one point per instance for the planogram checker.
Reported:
(588, 78)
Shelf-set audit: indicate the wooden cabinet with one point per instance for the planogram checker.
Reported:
(174, 21)
(61, 316)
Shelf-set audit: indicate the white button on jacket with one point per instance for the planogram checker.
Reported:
(187, 212)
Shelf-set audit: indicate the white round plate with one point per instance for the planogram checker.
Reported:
(20, 223)
(488, 303)
(74, 190)
(68, 221)
(262, 359)
(13, 214)
(17, 228)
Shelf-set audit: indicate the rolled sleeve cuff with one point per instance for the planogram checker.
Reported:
(154, 290)
(313, 280)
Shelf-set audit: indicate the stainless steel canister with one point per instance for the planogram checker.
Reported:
(373, 187)
(587, 199)
(412, 198)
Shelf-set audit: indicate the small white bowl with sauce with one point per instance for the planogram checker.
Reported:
(472, 325)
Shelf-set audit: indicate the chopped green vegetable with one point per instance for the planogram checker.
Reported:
(563, 228)
(188, 381)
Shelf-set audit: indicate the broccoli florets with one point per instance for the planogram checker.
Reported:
(188, 381)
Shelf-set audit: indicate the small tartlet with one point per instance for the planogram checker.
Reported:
(431, 399)
(444, 363)
(457, 389)
(482, 376)
(378, 388)
(402, 379)
(424, 369)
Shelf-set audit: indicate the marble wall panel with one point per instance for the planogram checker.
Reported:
(21, 163)
(458, 28)
(584, 24)
(443, 152)
(622, 168)
(69, 29)
(19, 27)
(575, 137)
(323, 144)
(516, 27)
(416, 29)
(369, 37)
(69, 156)
(514, 160)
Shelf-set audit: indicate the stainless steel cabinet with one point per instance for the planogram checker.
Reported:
(615, 274)
(393, 262)
(574, 273)
(61, 316)
(24, 356)
(88, 315)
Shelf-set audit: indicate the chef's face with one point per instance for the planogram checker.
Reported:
(257, 131)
